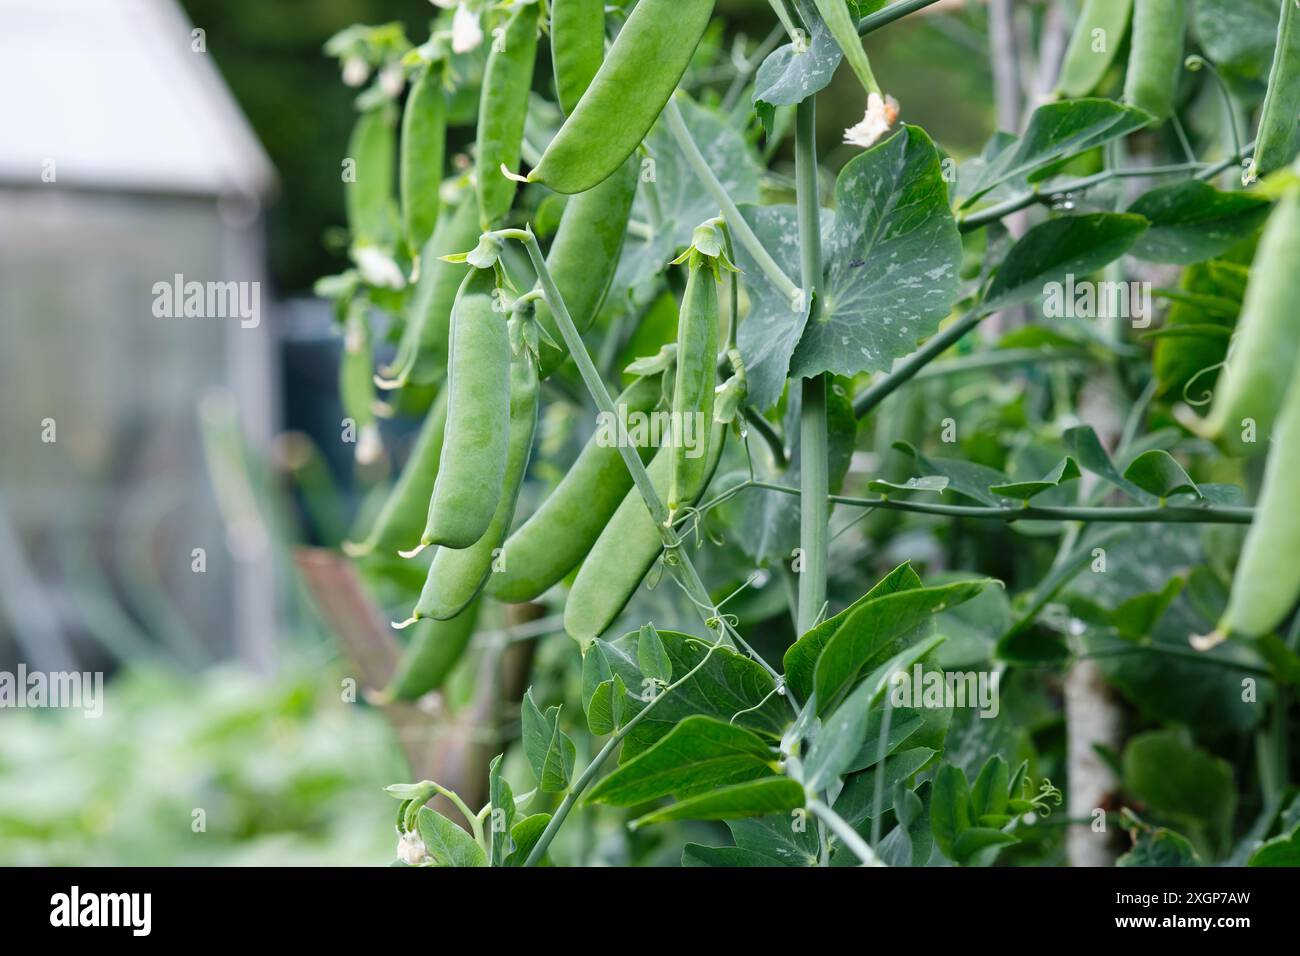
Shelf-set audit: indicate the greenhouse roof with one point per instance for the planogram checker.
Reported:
(114, 94)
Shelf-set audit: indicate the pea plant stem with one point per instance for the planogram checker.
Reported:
(895, 11)
(848, 836)
(907, 369)
(585, 778)
(814, 507)
(700, 166)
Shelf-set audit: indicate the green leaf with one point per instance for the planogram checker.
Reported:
(1191, 221)
(857, 801)
(1156, 846)
(1279, 851)
(876, 631)
(964, 477)
(698, 755)
(651, 656)
(1237, 35)
(595, 671)
(730, 687)
(990, 792)
(605, 712)
(801, 658)
(693, 854)
(549, 750)
(1048, 252)
(903, 723)
(1087, 449)
(976, 839)
(525, 835)
(1210, 294)
(787, 837)
(1157, 473)
(789, 76)
(752, 799)
(447, 843)
(936, 483)
(909, 843)
(838, 741)
(502, 815)
(950, 808)
(1067, 470)
(1137, 617)
(1182, 784)
(1056, 131)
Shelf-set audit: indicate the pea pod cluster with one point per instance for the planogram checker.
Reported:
(626, 96)
(625, 551)
(472, 467)
(502, 111)
(1093, 46)
(554, 540)
(1266, 345)
(457, 576)
(1279, 129)
(1155, 59)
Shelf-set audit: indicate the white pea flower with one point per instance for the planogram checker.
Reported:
(392, 78)
(466, 33)
(881, 115)
(355, 71)
(410, 849)
(370, 446)
(379, 269)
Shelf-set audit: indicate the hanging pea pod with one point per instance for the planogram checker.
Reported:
(421, 357)
(423, 144)
(402, 517)
(368, 176)
(1093, 46)
(836, 15)
(456, 577)
(1279, 120)
(554, 540)
(502, 111)
(435, 648)
(1155, 60)
(471, 470)
(624, 553)
(584, 256)
(626, 96)
(1266, 344)
(694, 382)
(577, 47)
(356, 369)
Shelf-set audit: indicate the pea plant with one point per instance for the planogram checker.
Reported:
(896, 508)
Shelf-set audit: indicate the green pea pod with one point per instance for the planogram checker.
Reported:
(626, 96)
(1267, 581)
(421, 357)
(1279, 131)
(577, 47)
(472, 468)
(559, 534)
(694, 381)
(368, 182)
(502, 111)
(584, 255)
(624, 552)
(1093, 46)
(424, 139)
(1155, 59)
(435, 648)
(401, 519)
(456, 577)
(1267, 341)
(356, 391)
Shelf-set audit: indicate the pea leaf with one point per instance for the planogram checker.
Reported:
(525, 835)
(698, 755)
(1183, 785)
(976, 839)
(1156, 846)
(1157, 473)
(791, 73)
(1047, 253)
(549, 750)
(595, 671)
(950, 807)
(1279, 851)
(651, 656)
(755, 798)
(935, 483)
(1191, 221)
(1056, 131)
(1087, 449)
(801, 658)
(1136, 618)
(693, 854)
(967, 478)
(608, 702)
(447, 843)
(857, 801)
(502, 816)
(1067, 470)
(990, 792)
(892, 258)
(1239, 35)
(788, 838)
